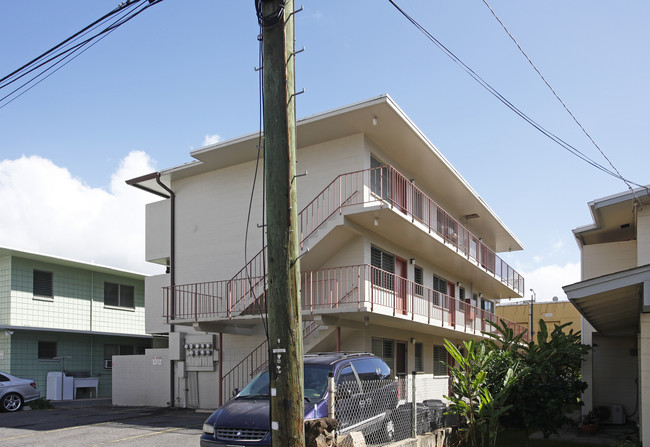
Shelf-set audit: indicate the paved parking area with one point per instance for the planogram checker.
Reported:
(103, 425)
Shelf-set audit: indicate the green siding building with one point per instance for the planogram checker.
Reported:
(58, 314)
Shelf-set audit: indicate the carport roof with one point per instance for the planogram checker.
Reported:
(612, 303)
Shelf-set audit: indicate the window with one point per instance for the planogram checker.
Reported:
(379, 178)
(419, 364)
(384, 261)
(461, 298)
(118, 295)
(417, 203)
(43, 284)
(439, 285)
(46, 350)
(418, 278)
(439, 359)
(385, 350)
(487, 305)
(113, 349)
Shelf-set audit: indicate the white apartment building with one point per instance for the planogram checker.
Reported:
(398, 254)
(614, 300)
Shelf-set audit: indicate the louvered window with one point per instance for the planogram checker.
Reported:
(419, 364)
(439, 285)
(418, 278)
(384, 271)
(384, 349)
(439, 359)
(43, 284)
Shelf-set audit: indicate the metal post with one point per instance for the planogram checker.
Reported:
(414, 414)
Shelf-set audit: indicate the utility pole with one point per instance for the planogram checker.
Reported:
(283, 294)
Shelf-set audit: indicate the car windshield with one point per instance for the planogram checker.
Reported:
(315, 381)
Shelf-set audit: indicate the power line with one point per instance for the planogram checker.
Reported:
(66, 51)
(507, 103)
(556, 95)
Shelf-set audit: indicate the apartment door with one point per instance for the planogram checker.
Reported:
(451, 292)
(401, 286)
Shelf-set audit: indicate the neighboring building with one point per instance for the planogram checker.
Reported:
(55, 313)
(553, 312)
(614, 300)
(398, 254)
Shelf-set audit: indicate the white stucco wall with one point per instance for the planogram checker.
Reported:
(142, 379)
(643, 236)
(614, 381)
(644, 378)
(602, 259)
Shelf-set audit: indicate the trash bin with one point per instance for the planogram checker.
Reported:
(437, 410)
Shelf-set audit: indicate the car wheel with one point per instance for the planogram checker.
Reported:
(388, 429)
(12, 402)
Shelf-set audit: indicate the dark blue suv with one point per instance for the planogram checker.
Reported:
(366, 395)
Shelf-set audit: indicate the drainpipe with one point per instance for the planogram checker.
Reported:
(172, 278)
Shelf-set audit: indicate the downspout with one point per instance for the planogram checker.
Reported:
(172, 278)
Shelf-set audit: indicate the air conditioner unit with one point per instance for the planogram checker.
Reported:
(108, 364)
(611, 414)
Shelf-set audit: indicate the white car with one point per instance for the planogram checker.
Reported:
(14, 392)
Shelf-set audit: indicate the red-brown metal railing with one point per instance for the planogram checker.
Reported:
(351, 287)
(356, 188)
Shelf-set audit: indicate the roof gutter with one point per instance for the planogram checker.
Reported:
(137, 182)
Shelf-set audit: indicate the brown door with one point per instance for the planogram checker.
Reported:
(401, 285)
(451, 291)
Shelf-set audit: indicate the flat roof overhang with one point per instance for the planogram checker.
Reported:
(612, 303)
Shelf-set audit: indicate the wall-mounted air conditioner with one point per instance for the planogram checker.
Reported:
(108, 364)
(611, 414)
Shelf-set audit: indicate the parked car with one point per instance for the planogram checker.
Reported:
(365, 398)
(14, 392)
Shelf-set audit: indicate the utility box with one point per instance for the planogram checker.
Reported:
(201, 353)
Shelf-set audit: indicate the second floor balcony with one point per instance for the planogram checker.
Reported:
(355, 293)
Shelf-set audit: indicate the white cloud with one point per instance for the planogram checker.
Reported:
(211, 139)
(547, 281)
(47, 210)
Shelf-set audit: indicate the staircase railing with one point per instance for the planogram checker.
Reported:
(356, 188)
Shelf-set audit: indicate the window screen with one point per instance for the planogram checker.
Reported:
(119, 295)
(43, 284)
(46, 350)
(439, 357)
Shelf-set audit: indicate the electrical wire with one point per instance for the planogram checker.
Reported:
(508, 104)
(556, 95)
(63, 53)
(260, 147)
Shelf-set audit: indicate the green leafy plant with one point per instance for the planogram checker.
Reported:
(478, 399)
(543, 398)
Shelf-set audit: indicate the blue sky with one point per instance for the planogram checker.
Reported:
(182, 72)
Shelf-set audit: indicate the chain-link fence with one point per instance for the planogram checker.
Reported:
(390, 410)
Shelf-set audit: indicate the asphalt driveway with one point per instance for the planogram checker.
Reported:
(102, 425)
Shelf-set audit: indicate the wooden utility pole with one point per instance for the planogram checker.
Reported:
(285, 322)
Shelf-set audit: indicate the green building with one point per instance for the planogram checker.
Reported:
(58, 315)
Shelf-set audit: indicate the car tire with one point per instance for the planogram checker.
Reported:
(388, 429)
(12, 402)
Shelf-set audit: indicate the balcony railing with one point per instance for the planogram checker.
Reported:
(232, 297)
(351, 288)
